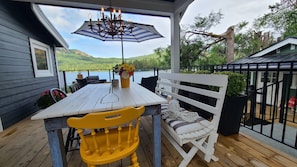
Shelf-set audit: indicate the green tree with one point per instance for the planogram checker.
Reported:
(190, 52)
(197, 40)
(248, 42)
(216, 55)
(282, 18)
(164, 55)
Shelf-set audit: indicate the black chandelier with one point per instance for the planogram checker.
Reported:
(110, 25)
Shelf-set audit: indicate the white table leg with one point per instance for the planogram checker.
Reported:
(56, 143)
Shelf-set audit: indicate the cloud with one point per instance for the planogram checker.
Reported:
(234, 11)
(65, 19)
(57, 16)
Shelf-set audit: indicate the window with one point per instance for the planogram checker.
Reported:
(292, 47)
(270, 78)
(41, 57)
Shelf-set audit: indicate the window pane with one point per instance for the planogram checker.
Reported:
(41, 59)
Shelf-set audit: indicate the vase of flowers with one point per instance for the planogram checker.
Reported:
(125, 71)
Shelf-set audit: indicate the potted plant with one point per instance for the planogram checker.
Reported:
(234, 103)
(45, 100)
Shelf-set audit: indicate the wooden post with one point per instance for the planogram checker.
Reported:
(230, 44)
(65, 83)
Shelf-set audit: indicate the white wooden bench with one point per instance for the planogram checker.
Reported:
(202, 133)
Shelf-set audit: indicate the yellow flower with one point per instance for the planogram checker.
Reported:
(127, 68)
(131, 68)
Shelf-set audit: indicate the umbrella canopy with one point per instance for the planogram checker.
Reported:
(140, 33)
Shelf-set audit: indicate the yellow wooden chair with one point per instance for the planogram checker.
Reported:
(117, 137)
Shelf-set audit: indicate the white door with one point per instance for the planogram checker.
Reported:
(271, 87)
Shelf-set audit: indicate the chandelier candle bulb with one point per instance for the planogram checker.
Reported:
(102, 12)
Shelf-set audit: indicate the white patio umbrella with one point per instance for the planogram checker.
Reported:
(140, 32)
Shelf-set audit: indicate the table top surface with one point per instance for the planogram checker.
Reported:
(100, 97)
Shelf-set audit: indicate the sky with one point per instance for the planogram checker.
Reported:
(67, 20)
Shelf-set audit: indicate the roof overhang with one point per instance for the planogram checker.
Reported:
(47, 24)
(164, 8)
(290, 40)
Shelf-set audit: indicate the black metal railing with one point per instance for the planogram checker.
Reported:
(66, 81)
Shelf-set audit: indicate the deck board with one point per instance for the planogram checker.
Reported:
(25, 144)
(249, 153)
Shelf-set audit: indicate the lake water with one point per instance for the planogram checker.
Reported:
(71, 76)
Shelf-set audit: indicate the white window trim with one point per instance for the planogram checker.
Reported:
(271, 78)
(39, 45)
(294, 81)
(1, 126)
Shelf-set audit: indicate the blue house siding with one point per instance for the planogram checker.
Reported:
(19, 89)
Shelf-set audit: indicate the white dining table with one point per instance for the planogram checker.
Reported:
(99, 98)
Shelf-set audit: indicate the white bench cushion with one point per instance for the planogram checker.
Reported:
(186, 131)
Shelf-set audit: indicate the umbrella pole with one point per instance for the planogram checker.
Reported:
(122, 49)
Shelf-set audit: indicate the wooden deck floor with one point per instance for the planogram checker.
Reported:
(25, 145)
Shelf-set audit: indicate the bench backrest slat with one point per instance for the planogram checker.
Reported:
(204, 79)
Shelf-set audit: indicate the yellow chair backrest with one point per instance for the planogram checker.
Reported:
(108, 136)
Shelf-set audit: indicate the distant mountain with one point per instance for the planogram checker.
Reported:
(78, 52)
(76, 60)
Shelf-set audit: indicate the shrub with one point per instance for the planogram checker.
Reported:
(236, 83)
